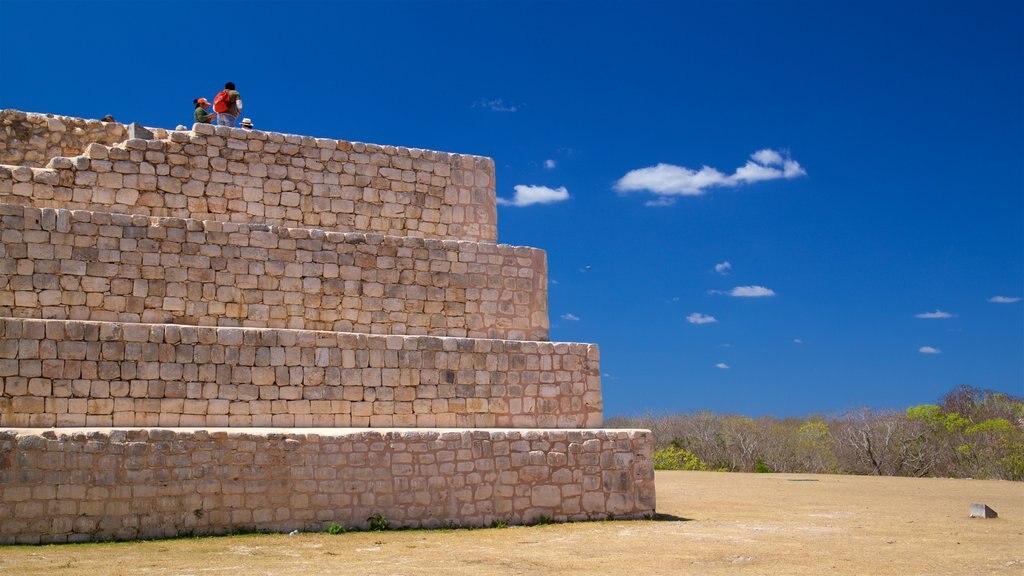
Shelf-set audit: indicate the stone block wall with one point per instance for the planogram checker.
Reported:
(84, 265)
(29, 139)
(78, 485)
(224, 330)
(248, 176)
(61, 373)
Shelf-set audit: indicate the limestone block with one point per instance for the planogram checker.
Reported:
(982, 511)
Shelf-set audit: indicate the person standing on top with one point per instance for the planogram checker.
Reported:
(201, 115)
(227, 104)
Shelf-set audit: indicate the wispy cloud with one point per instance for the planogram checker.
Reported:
(530, 195)
(660, 201)
(797, 341)
(1004, 299)
(495, 105)
(937, 315)
(768, 157)
(550, 164)
(570, 317)
(929, 350)
(723, 268)
(698, 318)
(668, 181)
(722, 366)
(748, 292)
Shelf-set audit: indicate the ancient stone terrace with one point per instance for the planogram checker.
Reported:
(219, 330)
(29, 139)
(60, 373)
(247, 176)
(88, 483)
(83, 265)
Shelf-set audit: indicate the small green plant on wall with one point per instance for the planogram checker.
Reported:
(378, 522)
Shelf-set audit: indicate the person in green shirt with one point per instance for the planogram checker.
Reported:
(201, 115)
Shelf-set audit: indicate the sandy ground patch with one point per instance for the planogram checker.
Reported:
(709, 523)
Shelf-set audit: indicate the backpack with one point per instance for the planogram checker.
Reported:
(221, 102)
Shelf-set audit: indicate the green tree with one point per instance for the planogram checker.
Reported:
(815, 447)
(995, 449)
(675, 458)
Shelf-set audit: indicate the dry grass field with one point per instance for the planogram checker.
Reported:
(709, 523)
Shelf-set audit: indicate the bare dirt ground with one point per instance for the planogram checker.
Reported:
(709, 523)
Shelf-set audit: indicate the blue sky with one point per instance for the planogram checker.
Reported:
(860, 209)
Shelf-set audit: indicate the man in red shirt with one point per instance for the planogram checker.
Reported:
(227, 105)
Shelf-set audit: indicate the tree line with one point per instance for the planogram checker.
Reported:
(970, 433)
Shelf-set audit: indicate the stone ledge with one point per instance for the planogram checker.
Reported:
(133, 433)
(78, 264)
(32, 139)
(71, 373)
(237, 175)
(92, 484)
(310, 143)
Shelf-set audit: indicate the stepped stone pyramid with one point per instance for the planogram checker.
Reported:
(221, 330)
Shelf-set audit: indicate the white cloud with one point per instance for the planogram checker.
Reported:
(751, 292)
(1004, 299)
(929, 350)
(668, 180)
(529, 195)
(550, 164)
(768, 157)
(792, 169)
(938, 314)
(723, 268)
(571, 317)
(495, 105)
(722, 366)
(660, 201)
(698, 318)
(797, 341)
(754, 172)
(671, 180)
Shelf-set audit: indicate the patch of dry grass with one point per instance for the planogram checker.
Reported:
(709, 523)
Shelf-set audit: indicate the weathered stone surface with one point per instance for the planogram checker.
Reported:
(147, 269)
(147, 483)
(137, 131)
(60, 373)
(249, 176)
(119, 257)
(30, 139)
(982, 511)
